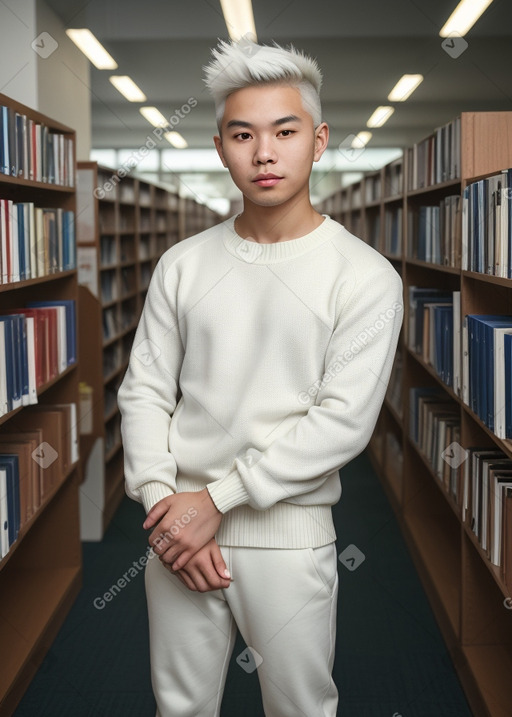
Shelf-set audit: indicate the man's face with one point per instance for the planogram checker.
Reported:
(266, 132)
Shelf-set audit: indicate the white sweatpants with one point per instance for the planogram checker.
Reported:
(284, 604)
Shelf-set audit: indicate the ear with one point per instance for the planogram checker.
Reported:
(321, 140)
(218, 146)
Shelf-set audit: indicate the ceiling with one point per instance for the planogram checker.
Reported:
(362, 47)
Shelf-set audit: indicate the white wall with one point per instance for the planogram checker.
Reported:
(41, 68)
(18, 61)
(63, 79)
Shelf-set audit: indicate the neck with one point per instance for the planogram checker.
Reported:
(268, 225)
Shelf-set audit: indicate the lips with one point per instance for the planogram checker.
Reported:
(266, 180)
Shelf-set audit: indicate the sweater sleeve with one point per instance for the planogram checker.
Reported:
(147, 397)
(347, 400)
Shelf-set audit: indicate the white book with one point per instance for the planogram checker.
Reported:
(31, 225)
(62, 351)
(4, 516)
(38, 174)
(31, 359)
(26, 240)
(3, 237)
(502, 245)
(39, 241)
(72, 431)
(465, 490)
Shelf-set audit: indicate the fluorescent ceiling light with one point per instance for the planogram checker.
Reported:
(405, 87)
(176, 140)
(381, 115)
(464, 17)
(239, 19)
(127, 87)
(361, 140)
(154, 116)
(92, 49)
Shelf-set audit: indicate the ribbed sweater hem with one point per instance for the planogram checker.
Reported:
(284, 525)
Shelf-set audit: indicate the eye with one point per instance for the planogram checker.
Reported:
(287, 132)
(242, 135)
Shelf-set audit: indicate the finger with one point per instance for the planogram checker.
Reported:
(179, 560)
(185, 580)
(156, 512)
(211, 577)
(219, 563)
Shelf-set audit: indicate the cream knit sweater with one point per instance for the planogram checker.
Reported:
(282, 353)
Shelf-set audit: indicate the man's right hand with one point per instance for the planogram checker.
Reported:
(205, 570)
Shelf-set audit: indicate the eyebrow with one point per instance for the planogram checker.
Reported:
(276, 123)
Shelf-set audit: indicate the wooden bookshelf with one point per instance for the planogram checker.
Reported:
(195, 217)
(470, 600)
(41, 574)
(124, 225)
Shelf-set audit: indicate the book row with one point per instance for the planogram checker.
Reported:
(478, 479)
(37, 343)
(434, 232)
(30, 150)
(435, 159)
(474, 358)
(487, 504)
(434, 331)
(35, 241)
(35, 455)
(487, 225)
(487, 370)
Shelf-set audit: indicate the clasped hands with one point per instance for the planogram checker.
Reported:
(183, 538)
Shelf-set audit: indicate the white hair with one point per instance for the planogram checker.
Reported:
(245, 63)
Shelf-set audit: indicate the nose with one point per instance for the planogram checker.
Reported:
(265, 153)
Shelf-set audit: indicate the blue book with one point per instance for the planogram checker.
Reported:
(508, 385)
(443, 335)
(70, 323)
(10, 462)
(68, 240)
(483, 376)
(11, 365)
(473, 362)
(21, 358)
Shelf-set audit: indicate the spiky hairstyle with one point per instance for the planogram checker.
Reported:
(245, 63)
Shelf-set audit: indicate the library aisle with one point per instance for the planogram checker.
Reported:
(390, 656)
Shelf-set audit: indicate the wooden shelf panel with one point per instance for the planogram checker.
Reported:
(493, 665)
(440, 559)
(33, 609)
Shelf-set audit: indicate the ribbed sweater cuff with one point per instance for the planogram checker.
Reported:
(228, 492)
(151, 493)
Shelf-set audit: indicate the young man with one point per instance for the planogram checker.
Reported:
(279, 328)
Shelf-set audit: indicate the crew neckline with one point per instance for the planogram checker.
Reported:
(252, 252)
